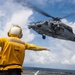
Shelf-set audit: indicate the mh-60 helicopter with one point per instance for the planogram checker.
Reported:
(54, 28)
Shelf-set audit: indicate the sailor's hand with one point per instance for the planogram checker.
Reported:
(47, 49)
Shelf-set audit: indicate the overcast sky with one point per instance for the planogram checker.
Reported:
(62, 54)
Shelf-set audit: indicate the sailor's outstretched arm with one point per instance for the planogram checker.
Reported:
(35, 47)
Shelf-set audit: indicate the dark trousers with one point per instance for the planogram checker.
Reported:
(11, 72)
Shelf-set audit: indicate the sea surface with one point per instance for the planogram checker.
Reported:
(46, 71)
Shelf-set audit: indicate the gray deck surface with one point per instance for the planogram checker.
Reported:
(39, 72)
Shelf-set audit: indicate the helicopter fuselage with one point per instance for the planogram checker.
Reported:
(55, 29)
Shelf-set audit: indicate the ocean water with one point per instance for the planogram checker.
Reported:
(46, 71)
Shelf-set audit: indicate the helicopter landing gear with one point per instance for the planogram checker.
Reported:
(43, 36)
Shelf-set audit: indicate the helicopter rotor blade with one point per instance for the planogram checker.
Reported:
(26, 3)
(41, 11)
(68, 15)
(30, 5)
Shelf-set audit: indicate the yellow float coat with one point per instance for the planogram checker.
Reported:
(13, 52)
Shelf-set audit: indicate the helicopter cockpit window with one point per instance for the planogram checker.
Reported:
(52, 26)
(46, 23)
(39, 25)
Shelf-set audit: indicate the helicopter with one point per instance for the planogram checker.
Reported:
(54, 28)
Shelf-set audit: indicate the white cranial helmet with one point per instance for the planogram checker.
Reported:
(15, 31)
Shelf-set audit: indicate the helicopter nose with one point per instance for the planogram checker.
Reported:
(31, 26)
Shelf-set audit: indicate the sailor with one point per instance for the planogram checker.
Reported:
(13, 52)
